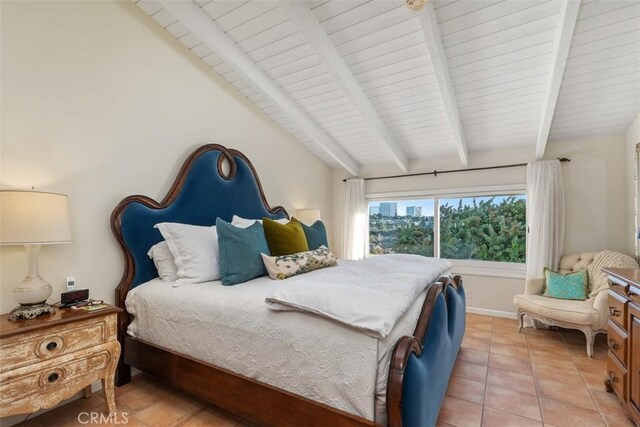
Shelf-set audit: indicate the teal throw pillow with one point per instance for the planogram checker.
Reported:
(573, 286)
(240, 252)
(316, 235)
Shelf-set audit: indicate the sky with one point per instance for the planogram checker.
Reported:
(427, 205)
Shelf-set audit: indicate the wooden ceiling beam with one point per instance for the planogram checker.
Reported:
(309, 26)
(215, 38)
(433, 40)
(568, 18)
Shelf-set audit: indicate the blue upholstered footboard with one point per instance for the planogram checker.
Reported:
(427, 365)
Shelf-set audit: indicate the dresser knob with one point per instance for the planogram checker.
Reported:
(612, 377)
(52, 346)
(53, 377)
(613, 312)
(613, 345)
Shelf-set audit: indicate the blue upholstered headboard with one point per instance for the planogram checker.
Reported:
(201, 193)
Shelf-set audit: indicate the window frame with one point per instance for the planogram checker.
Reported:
(470, 267)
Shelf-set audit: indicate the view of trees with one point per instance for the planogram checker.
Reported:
(400, 234)
(486, 230)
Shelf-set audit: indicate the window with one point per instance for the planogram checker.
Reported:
(481, 228)
(401, 227)
(491, 228)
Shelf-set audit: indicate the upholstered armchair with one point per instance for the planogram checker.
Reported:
(589, 316)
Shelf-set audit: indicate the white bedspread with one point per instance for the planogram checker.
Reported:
(232, 327)
(369, 295)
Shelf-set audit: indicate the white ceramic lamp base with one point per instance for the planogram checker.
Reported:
(33, 291)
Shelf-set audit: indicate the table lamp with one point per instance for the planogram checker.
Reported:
(308, 216)
(33, 219)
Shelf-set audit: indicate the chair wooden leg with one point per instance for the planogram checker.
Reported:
(591, 337)
(520, 321)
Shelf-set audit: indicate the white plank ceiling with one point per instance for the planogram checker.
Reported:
(482, 80)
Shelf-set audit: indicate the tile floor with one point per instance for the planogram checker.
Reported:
(501, 378)
(505, 378)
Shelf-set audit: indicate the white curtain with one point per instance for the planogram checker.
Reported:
(545, 216)
(354, 242)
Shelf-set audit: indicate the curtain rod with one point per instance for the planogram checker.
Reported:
(436, 172)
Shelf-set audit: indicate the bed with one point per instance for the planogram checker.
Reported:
(401, 382)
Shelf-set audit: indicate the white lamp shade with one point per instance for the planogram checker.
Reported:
(32, 217)
(308, 216)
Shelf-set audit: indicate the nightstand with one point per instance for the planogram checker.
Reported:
(48, 359)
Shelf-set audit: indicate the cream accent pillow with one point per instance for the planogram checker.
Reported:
(597, 277)
(240, 222)
(164, 261)
(195, 250)
(284, 266)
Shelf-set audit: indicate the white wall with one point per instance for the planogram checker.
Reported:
(633, 138)
(596, 193)
(595, 189)
(99, 102)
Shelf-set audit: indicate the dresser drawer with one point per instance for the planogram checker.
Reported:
(34, 347)
(634, 294)
(619, 287)
(617, 308)
(617, 376)
(43, 384)
(617, 340)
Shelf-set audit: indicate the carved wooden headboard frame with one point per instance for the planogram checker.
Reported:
(227, 155)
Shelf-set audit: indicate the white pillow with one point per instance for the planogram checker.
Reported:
(195, 250)
(240, 222)
(164, 262)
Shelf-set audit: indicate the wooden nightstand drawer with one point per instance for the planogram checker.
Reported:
(53, 357)
(34, 347)
(617, 376)
(44, 384)
(617, 308)
(617, 342)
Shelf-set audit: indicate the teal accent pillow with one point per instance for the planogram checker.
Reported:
(573, 286)
(240, 252)
(316, 235)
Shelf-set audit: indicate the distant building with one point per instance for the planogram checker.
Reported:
(388, 209)
(414, 211)
(374, 210)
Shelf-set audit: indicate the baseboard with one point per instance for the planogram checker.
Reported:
(493, 313)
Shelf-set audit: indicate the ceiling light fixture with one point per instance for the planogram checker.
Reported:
(415, 5)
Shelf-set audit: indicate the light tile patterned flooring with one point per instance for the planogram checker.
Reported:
(540, 377)
(501, 378)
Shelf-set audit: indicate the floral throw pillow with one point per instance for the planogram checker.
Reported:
(284, 266)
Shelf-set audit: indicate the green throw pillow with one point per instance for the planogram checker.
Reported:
(316, 235)
(573, 286)
(285, 239)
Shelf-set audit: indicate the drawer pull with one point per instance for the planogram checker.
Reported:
(613, 312)
(52, 346)
(611, 376)
(613, 345)
(53, 377)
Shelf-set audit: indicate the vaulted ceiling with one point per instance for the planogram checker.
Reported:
(369, 82)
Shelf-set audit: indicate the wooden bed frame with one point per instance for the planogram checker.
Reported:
(258, 402)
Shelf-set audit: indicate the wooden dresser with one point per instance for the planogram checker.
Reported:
(53, 357)
(623, 365)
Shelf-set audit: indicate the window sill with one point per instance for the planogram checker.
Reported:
(489, 269)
